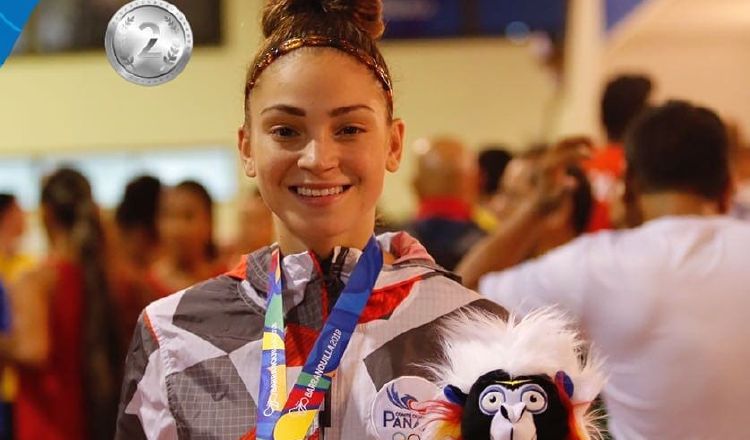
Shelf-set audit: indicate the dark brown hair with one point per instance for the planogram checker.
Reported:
(679, 147)
(357, 23)
(624, 98)
(139, 206)
(67, 195)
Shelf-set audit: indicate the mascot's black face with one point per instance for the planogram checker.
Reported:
(500, 407)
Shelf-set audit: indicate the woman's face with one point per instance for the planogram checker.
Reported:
(184, 224)
(319, 140)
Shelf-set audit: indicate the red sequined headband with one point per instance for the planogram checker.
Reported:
(318, 41)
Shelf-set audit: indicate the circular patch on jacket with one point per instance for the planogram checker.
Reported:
(397, 411)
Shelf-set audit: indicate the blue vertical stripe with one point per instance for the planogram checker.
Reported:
(617, 10)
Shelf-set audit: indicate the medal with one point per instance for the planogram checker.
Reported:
(285, 418)
(148, 42)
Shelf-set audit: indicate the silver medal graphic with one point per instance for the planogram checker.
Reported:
(148, 42)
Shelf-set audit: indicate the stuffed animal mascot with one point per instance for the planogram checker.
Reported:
(526, 379)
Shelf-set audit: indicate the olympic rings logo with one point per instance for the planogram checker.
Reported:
(402, 436)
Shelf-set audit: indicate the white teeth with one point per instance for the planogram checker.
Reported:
(310, 192)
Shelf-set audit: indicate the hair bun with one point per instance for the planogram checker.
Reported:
(367, 15)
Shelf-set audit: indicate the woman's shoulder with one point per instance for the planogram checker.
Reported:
(422, 292)
(215, 310)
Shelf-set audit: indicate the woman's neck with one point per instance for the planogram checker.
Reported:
(61, 247)
(322, 246)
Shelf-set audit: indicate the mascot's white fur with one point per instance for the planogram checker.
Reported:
(543, 344)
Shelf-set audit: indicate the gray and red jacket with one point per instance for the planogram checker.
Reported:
(193, 366)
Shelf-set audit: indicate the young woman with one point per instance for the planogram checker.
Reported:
(320, 334)
(64, 336)
(185, 225)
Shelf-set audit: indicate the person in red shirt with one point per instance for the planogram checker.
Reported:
(625, 97)
(64, 333)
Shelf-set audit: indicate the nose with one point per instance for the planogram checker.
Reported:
(513, 422)
(513, 413)
(319, 155)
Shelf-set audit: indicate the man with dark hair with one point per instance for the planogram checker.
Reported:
(679, 148)
(666, 302)
(624, 98)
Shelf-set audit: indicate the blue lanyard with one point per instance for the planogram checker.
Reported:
(282, 418)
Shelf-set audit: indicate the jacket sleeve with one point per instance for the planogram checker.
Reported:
(144, 405)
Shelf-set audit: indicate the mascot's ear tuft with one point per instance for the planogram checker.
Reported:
(564, 382)
(455, 395)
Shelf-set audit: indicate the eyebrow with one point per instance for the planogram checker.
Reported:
(296, 111)
(352, 108)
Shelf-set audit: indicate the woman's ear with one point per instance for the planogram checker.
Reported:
(246, 151)
(395, 146)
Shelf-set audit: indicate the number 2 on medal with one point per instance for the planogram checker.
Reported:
(155, 31)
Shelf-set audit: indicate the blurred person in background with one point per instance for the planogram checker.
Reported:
(566, 215)
(446, 185)
(12, 264)
(9, 378)
(137, 249)
(492, 162)
(741, 199)
(12, 227)
(624, 98)
(189, 253)
(64, 334)
(665, 302)
(255, 228)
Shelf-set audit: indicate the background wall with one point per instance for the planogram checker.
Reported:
(479, 90)
(694, 49)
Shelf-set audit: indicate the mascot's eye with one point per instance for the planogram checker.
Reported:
(535, 398)
(491, 398)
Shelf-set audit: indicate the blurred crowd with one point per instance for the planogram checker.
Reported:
(66, 317)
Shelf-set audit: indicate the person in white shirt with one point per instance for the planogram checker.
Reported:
(666, 302)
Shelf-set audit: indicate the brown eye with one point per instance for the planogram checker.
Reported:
(350, 130)
(283, 132)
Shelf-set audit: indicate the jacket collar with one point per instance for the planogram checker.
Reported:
(302, 270)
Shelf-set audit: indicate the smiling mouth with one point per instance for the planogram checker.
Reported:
(319, 192)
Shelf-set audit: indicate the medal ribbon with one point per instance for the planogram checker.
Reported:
(308, 394)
